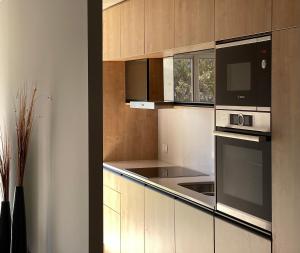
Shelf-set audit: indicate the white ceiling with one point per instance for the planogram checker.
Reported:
(108, 3)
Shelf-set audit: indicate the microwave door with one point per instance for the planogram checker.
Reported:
(243, 74)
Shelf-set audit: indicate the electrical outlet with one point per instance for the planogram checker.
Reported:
(165, 148)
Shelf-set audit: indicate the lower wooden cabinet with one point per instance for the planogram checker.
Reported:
(194, 230)
(159, 222)
(132, 216)
(111, 227)
(230, 238)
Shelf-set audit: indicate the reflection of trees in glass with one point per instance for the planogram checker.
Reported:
(206, 77)
(183, 80)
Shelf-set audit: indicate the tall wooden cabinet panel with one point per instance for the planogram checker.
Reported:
(111, 227)
(159, 223)
(232, 239)
(111, 33)
(132, 217)
(194, 22)
(132, 28)
(159, 25)
(286, 13)
(235, 18)
(194, 230)
(286, 140)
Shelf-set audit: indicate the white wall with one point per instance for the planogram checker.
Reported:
(188, 132)
(45, 43)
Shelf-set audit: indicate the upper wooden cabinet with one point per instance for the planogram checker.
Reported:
(194, 22)
(235, 18)
(159, 25)
(232, 239)
(159, 223)
(194, 230)
(132, 28)
(111, 33)
(286, 13)
(286, 140)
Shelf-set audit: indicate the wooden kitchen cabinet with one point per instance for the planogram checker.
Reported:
(286, 140)
(194, 229)
(230, 238)
(286, 13)
(132, 216)
(235, 18)
(159, 25)
(159, 222)
(132, 28)
(111, 33)
(194, 22)
(111, 180)
(111, 227)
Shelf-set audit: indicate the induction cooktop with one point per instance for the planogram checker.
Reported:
(166, 172)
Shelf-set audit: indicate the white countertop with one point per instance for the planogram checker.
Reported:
(168, 185)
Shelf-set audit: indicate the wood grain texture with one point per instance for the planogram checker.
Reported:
(156, 88)
(286, 140)
(132, 217)
(132, 28)
(128, 134)
(286, 13)
(111, 180)
(194, 230)
(112, 230)
(235, 18)
(232, 239)
(194, 22)
(112, 199)
(159, 25)
(112, 33)
(159, 223)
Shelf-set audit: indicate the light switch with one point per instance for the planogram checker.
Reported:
(165, 148)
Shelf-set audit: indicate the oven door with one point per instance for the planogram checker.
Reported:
(243, 73)
(244, 177)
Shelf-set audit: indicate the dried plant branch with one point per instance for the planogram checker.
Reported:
(24, 123)
(5, 166)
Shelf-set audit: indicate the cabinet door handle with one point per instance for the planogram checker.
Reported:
(244, 137)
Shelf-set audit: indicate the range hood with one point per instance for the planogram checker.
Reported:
(144, 81)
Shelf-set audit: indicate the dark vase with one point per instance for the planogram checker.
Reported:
(5, 227)
(19, 235)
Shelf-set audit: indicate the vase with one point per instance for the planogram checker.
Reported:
(19, 234)
(5, 227)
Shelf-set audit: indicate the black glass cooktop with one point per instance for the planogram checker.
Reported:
(166, 172)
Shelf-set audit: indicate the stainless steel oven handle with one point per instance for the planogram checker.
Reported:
(243, 137)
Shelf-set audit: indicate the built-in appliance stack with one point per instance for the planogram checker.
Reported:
(243, 130)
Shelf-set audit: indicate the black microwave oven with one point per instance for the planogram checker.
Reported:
(243, 74)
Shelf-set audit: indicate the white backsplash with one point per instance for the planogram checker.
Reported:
(185, 137)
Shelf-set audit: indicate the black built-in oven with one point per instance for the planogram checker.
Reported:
(243, 152)
(243, 73)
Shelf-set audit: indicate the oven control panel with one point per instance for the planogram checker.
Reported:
(241, 120)
(245, 120)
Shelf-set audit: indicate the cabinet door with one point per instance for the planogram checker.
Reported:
(232, 239)
(132, 28)
(286, 140)
(194, 22)
(159, 223)
(194, 230)
(286, 13)
(132, 217)
(111, 229)
(111, 33)
(235, 18)
(111, 180)
(159, 25)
